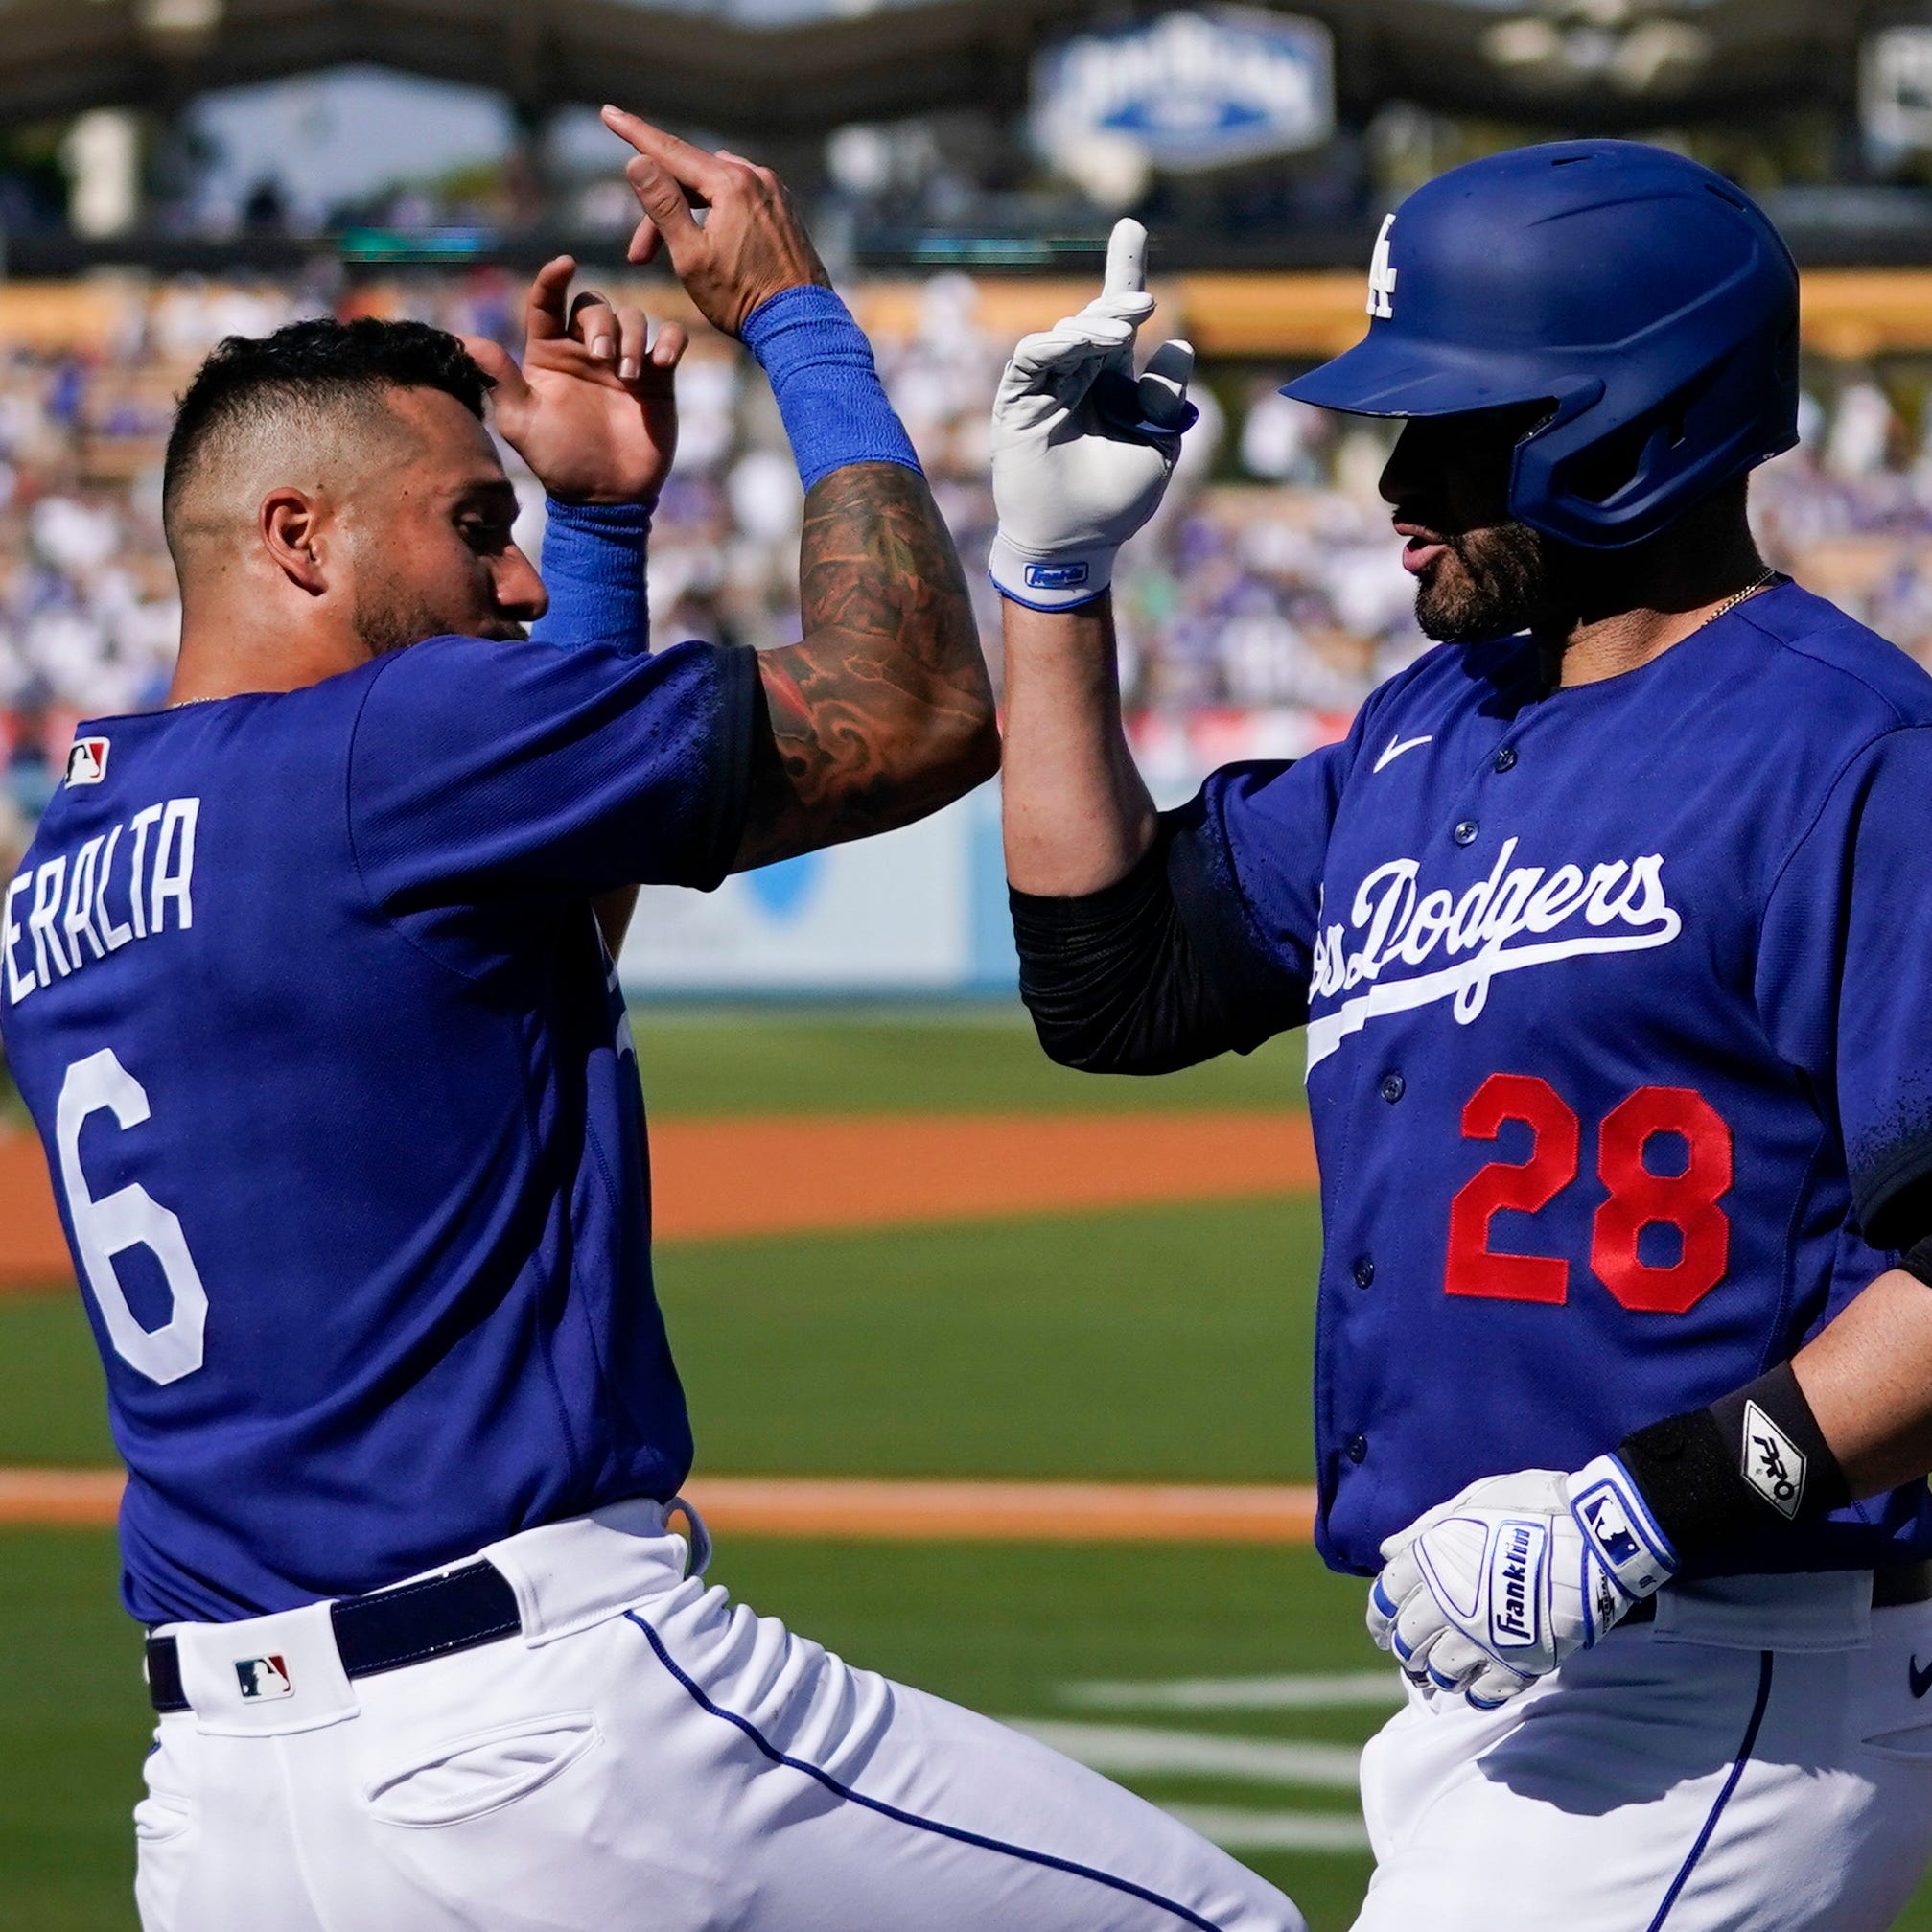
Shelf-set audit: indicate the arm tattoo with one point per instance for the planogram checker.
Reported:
(885, 711)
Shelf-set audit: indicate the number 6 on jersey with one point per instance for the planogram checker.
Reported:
(130, 1216)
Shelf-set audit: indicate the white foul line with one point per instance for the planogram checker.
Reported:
(1124, 1749)
(1274, 1830)
(1347, 1690)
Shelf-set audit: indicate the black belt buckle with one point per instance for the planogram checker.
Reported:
(387, 1630)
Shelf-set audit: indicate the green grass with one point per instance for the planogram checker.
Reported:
(1168, 1343)
(1165, 1344)
(72, 1732)
(952, 1059)
(53, 1404)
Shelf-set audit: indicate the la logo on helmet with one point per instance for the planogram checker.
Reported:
(1381, 276)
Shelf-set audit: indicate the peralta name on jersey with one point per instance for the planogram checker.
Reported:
(80, 911)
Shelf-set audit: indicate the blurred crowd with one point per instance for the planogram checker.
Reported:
(1267, 601)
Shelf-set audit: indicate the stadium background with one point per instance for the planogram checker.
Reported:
(999, 1373)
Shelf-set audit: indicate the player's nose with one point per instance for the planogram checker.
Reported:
(518, 590)
(1403, 476)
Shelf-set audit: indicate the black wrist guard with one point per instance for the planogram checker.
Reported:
(1719, 1475)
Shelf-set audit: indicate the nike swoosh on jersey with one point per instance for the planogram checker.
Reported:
(1921, 1680)
(1396, 748)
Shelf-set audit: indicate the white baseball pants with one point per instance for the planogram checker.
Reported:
(646, 1754)
(1759, 1759)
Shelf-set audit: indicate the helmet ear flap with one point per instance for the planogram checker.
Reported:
(1606, 488)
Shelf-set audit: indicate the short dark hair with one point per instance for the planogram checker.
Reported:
(310, 366)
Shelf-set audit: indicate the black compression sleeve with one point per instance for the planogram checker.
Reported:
(1918, 1259)
(1150, 973)
(1715, 1477)
(1905, 1217)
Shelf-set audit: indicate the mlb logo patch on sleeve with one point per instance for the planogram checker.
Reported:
(263, 1677)
(87, 761)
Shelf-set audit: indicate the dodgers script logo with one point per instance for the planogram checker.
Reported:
(1399, 926)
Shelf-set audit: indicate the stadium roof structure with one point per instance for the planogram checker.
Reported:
(785, 68)
(694, 65)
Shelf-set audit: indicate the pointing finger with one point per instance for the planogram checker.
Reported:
(694, 167)
(1125, 259)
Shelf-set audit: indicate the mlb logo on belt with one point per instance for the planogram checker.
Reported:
(87, 761)
(263, 1677)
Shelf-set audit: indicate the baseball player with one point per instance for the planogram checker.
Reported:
(302, 984)
(1607, 924)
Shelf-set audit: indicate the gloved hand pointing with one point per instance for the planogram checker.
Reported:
(1082, 448)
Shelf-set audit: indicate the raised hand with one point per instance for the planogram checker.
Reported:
(591, 410)
(1082, 448)
(750, 247)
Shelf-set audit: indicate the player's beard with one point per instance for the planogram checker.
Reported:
(1491, 583)
(390, 616)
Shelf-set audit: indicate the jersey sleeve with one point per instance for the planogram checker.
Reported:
(480, 769)
(1255, 840)
(1843, 975)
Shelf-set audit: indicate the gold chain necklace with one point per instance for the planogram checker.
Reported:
(1763, 582)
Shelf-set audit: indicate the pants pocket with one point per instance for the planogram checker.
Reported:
(472, 1776)
(163, 1835)
(1910, 1744)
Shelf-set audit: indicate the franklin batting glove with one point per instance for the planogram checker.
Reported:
(1501, 1584)
(1082, 448)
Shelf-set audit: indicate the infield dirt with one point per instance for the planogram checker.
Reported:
(715, 1178)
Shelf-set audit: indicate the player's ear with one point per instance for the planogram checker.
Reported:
(290, 525)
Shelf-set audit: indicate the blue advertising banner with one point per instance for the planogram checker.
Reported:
(1198, 89)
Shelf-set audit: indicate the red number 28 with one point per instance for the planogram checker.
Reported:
(1638, 1196)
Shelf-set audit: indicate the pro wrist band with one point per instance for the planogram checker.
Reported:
(828, 388)
(1716, 1476)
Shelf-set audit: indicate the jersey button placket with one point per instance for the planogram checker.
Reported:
(1465, 832)
(1356, 1448)
(1363, 1271)
(1505, 758)
(1393, 1087)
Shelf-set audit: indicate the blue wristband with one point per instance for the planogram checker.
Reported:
(593, 568)
(829, 396)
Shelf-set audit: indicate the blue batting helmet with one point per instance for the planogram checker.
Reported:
(1647, 300)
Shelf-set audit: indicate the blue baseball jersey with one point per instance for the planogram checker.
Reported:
(1619, 1005)
(305, 994)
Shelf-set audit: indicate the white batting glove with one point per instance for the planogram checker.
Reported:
(1082, 448)
(1501, 1584)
